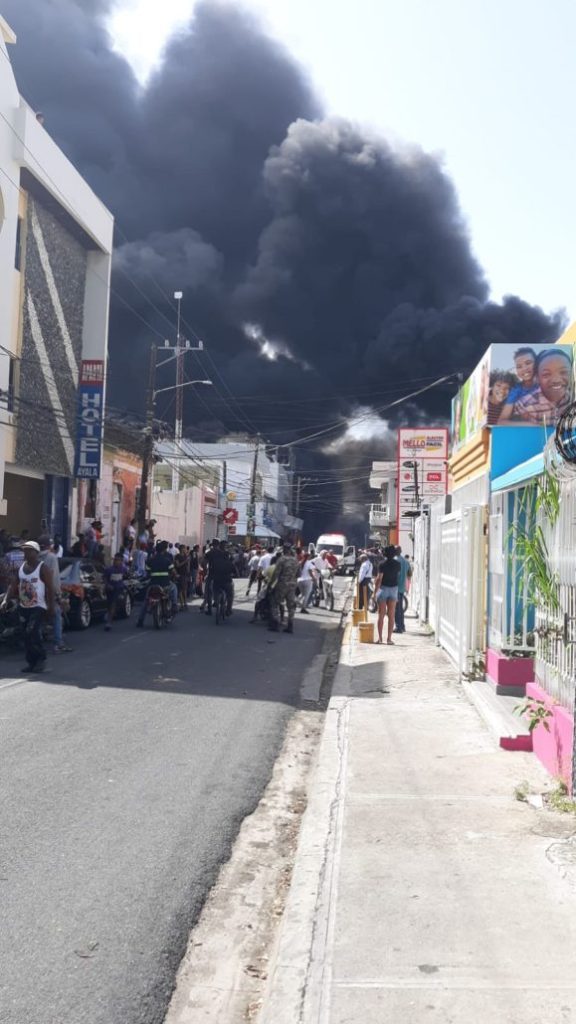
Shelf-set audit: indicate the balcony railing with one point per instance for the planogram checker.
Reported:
(379, 515)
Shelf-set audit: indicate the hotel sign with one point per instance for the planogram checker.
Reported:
(90, 420)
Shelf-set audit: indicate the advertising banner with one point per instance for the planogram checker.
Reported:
(526, 385)
(422, 475)
(90, 420)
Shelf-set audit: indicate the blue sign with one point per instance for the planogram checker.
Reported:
(90, 420)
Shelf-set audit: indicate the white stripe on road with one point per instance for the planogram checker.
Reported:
(12, 682)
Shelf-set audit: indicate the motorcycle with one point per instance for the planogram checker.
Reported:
(11, 632)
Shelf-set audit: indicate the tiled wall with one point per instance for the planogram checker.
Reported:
(55, 272)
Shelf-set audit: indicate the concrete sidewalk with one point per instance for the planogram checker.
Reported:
(423, 891)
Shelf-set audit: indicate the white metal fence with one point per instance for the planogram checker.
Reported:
(449, 580)
(437, 511)
(461, 620)
(556, 630)
(510, 612)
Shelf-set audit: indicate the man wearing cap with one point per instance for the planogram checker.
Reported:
(36, 600)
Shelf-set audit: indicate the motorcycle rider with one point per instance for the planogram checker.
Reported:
(162, 574)
(115, 580)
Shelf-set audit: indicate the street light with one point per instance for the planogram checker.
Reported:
(186, 384)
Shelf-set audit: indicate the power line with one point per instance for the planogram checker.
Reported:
(339, 424)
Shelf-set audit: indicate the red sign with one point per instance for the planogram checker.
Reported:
(230, 516)
(92, 371)
(434, 476)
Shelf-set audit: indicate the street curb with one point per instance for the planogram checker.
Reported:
(296, 989)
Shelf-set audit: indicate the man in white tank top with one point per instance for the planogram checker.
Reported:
(35, 590)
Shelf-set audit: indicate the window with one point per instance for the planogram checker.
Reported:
(18, 253)
(11, 383)
(91, 499)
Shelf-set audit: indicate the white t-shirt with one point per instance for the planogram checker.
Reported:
(305, 571)
(140, 559)
(264, 561)
(254, 562)
(319, 564)
(365, 571)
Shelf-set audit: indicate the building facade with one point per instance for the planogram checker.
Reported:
(55, 260)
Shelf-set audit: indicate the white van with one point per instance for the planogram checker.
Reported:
(338, 545)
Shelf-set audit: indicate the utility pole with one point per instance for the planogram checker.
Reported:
(180, 349)
(416, 487)
(147, 458)
(251, 510)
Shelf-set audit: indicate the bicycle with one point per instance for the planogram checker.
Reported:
(160, 605)
(328, 588)
(220, 606)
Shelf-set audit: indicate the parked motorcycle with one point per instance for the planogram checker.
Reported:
(11, 632)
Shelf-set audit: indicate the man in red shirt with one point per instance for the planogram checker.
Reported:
(330, 557)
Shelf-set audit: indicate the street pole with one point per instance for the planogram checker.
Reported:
(251, 511)
(416, 488)
(179, 411)
(179, 395)
(147, 458)
(298, 485)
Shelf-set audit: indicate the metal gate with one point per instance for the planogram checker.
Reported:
(461, 611)
(421, 568)
(437, 512)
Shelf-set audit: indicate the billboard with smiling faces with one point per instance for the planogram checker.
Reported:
(530, 385)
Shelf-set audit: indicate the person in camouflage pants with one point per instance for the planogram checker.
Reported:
(283, 590)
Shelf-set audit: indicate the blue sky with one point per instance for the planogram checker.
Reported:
(488, 86)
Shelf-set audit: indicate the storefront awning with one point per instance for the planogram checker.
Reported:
(519, 474)
(264, 531)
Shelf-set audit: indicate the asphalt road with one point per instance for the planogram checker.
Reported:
(125, 775)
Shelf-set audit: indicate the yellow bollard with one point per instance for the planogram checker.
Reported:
(366, 632)
(358, 615)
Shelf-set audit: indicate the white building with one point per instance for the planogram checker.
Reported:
(55, 260)
(229, 469)
(382, 514)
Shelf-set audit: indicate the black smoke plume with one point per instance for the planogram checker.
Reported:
(322, 266)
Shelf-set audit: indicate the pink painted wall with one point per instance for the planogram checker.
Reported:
(553, 748)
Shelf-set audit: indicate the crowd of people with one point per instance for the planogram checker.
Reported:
(285, 578)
